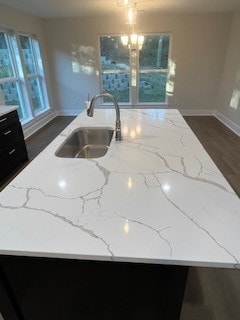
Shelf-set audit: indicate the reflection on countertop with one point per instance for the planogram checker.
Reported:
(155, 197)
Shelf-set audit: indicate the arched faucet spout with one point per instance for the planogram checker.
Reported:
(111, 97)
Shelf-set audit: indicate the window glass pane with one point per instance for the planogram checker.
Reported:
(35, 93)
(27, 53)
(152, 87)
(154, 53)
(38, 56)
(6, 69)
(152, 59)
(11, 95)
(114, 56)
(150, 66)
(117, 84)
(115, 64)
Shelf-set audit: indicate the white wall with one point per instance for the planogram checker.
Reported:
(23, 22)
(198, 49)
(229, 92)
(205, 48)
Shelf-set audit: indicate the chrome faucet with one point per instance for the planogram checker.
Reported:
(118, 122)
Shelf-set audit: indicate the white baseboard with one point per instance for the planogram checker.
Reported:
(197, 112)
(228, 123)
(36, 124)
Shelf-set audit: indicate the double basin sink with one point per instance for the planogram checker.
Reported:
(86, 142)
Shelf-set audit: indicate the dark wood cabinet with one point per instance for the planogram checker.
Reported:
(12, 145)
(65, 289)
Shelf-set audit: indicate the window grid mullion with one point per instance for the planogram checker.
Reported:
(9, 79)
(137, 70)
(37, 71)
(25, 79)
(11, 55)
(34, 57)
(134, 76)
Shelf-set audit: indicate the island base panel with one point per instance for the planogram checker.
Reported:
(62, 289)
(8, 302)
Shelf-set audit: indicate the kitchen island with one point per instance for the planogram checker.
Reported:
(155, 199)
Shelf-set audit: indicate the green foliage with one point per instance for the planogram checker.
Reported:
(5, 71)
(5, 68)
(36, 103)
(25, 42)
(113, 50)
(120, 96)
(154, 53)
(3, 43)
(157, 90)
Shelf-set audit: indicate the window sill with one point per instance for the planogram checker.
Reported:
(28, 121)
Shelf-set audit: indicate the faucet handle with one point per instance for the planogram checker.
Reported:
(90, 112)
(118, 131)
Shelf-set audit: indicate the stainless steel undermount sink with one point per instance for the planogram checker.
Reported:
(86, 142)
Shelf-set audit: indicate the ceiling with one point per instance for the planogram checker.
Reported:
(75, 8)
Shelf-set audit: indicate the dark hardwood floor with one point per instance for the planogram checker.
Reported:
(211, 294)
(39, 141)
(214, 294)
(222, 145)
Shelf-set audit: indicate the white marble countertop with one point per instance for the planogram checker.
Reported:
(155, 197)
(6, 109)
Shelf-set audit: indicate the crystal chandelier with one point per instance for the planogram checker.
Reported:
(133, 41)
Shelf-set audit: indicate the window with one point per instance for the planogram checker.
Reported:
(9, 77)
(21, 75)
(135, 76)
(153, 69)
(115, 65)
(30, 56)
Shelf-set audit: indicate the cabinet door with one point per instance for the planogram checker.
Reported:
(11, 157)
(8, 119)
(10, 135)
(6, 307)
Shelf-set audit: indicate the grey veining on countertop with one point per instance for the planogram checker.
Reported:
(155, 197)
